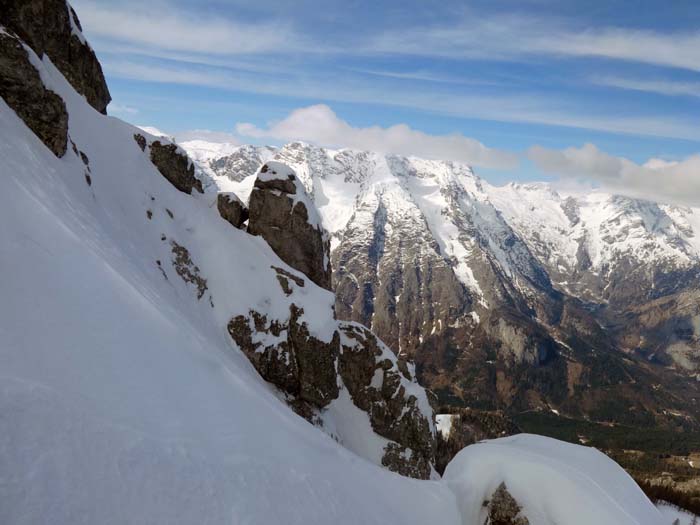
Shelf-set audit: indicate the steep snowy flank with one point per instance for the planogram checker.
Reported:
(597, 232)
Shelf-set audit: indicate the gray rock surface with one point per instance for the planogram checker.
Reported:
(231, 209)
(51, 27)
(172, 163)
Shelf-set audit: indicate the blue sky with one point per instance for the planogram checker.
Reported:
(516, 88)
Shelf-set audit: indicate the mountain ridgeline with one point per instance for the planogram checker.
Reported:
(512, 297)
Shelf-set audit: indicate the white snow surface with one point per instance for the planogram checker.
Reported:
(123, 399)
(202, 151)
(670, 514)
(443, 422)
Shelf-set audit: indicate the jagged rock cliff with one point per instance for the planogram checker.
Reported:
(21, 87)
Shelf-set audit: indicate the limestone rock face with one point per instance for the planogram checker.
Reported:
(503, 509)
(172, 163)
(281, 212)
(42, 110)
(231, 209)
(52, 27)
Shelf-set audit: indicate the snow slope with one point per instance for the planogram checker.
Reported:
(123, 399)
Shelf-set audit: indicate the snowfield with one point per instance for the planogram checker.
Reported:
(123, 399)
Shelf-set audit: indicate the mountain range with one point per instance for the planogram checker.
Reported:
(515, 297)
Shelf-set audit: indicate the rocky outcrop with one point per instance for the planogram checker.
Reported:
(281, 212)
(42, 110)
(503, 509)
(52, 28)
(186, 269)
(172, 163)
(310, 371)
(286, 355)
(231, 209)
(379, 384)
(510, 298)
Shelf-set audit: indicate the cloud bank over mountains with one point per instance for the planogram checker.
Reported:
(320, 125)
(656, 179)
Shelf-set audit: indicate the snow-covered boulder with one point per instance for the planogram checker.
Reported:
(284, 215)
(553, 483)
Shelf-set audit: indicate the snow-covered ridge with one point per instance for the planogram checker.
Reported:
(565, 232)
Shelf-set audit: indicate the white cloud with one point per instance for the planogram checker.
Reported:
(657, 179)
(504, 108)
(320, 125)
(679, 49)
